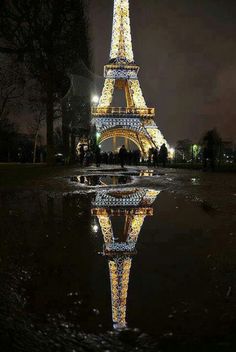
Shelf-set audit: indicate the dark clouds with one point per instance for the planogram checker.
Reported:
(187, 53)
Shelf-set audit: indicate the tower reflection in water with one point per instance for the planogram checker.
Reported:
(131, 205)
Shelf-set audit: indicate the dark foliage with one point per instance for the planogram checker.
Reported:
(211, 148)
(13, 145)
(49, 37)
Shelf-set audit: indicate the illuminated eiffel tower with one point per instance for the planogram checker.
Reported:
(134, 122)
(133, 205)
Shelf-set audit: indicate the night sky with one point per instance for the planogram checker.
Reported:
(187, 53)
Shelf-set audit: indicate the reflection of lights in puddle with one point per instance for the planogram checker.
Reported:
(195, 181)
(101, 180)
(147, 173)
(104, 180)
(95, 228)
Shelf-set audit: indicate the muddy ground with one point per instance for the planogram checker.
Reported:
(55, 289)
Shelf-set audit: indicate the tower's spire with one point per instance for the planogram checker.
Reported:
(121, 44)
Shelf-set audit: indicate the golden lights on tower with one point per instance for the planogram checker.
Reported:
(133, 205)
(135, 121)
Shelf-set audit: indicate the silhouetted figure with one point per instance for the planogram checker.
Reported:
(122, 155)
(87, 157)
(81, 155)
(105, 158)
(137, 156)
(111, 158)
(155, 157)
(94, 181)
(98, 156)
(150, 152)
(163, 154)
(129, 157)
(116, 158)
(82, 179)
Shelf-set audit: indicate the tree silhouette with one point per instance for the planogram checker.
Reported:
(11, 87)
(49, 37)
(211, 147)
(184, 149)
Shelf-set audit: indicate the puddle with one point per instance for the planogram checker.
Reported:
(101, 180)
(124, 178)
(195, 181)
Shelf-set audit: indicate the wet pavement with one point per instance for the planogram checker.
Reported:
(125, 260)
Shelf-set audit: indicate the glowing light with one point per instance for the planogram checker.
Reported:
(196, 150)
(121, 44)
(172, 153)
(95, 228)
(95, 99)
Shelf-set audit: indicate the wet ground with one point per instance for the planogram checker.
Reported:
(114, 260)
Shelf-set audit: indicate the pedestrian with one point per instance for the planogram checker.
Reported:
(105, 157)
(163, 154)
(111, 158)
(98, 156)
(150, 152)
(81, 154)
(122, 156)
(87, 157)
(155, 157)
(137, 156)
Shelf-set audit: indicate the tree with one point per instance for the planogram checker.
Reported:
(76, 110)
(11, 87)
(211, 143)
(34, 130)
(49, 36)
(8, 137)
(184, 150)
(58, 140)
(37, 108)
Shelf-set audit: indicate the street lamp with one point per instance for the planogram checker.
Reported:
(98, 135)
(95, 99)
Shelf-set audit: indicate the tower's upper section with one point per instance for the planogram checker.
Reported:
(121, 43)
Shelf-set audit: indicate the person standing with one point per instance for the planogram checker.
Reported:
(81, 154)
(98, 156)
(150, 152)
(163, 155)
(122, 156)
(155, 157)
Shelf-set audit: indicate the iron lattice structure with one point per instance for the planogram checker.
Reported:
(135, 121)
(133, 205)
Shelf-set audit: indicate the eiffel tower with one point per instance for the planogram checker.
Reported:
(133, 205)
(134, 122)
